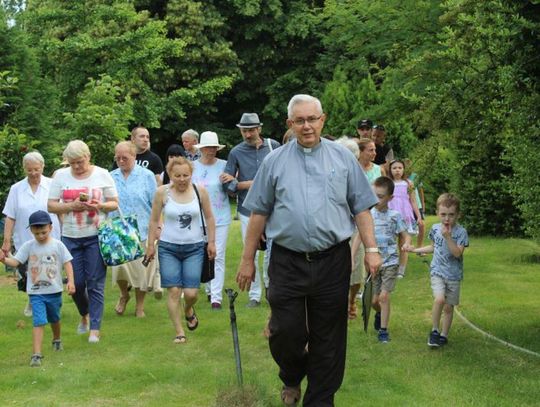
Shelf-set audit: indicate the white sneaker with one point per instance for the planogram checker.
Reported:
(28, 310)
(93, 339)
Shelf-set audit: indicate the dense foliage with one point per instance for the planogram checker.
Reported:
(456, 83)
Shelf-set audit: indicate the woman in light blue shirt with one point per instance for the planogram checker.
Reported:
(206, 173)
(136, 187)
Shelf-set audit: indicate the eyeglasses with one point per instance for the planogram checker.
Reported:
(121, 158)
(310, 120)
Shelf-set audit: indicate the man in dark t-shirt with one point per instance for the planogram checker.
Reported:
(385, 154)
(140, 136)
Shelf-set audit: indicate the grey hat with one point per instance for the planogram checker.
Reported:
(249, 121)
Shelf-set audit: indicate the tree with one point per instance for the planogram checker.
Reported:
(101, 118)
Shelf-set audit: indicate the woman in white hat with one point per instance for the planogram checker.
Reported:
(206, 173)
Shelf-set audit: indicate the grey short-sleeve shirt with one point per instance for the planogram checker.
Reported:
(444, 263)
(310, 195)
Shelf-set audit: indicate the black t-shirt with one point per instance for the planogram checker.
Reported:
(381, 151)
(148, 160)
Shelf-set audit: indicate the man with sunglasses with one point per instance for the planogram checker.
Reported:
(309, 195)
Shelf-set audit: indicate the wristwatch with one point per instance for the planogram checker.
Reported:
(372, 250)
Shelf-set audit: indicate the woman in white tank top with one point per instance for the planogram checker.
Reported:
(181, 244)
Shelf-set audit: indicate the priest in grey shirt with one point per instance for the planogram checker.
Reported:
(309, 194)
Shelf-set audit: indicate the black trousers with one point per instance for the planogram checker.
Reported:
(308, 327)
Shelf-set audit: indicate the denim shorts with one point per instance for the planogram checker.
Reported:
(180, 265)
(45, 308)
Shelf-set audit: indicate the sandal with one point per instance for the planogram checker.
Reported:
(180, 339)
(190, 319)
(121, 305)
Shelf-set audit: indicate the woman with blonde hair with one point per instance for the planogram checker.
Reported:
(182, 241)
(84, 193)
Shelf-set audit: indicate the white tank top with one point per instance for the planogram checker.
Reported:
(181, 221)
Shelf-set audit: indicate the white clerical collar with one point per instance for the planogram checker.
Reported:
(309, 150)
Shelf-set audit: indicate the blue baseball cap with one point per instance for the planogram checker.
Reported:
(39, 218)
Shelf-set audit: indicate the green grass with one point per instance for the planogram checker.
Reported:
(136, 363)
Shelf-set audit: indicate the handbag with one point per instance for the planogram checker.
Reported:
(119, 240)
(207, 273)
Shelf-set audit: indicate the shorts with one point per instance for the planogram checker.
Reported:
(46, 308)
(386, 279)
(180, 265)
(449, 288)
(358, 273)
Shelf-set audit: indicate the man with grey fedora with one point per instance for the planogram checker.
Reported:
(242, 165)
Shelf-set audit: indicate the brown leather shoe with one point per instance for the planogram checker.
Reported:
(291, 395)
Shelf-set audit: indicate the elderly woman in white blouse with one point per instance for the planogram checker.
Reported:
(25, 197)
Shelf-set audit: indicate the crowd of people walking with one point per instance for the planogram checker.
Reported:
(324, 214)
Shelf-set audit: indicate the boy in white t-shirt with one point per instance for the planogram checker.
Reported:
(46, 256)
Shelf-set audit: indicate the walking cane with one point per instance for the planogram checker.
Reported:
(232, 296)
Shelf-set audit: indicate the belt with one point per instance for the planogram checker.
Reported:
(317, 254)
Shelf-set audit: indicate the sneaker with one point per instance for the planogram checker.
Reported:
(82, 328)
(35, 360)
(377, 321)
(28, 310)
(216, 306)
(57, 345)
(434, 339)
(443, 340)
(93, 339)
(383, 336)
(253, 304)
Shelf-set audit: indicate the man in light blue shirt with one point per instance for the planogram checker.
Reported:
(309, 194)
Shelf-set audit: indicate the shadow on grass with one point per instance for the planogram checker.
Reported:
(246, 396)
(533, 258)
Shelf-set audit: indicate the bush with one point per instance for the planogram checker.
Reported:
(13, 146)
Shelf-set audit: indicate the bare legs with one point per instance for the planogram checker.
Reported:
(437, 311)
(381, 303)
(173, 306)
(124, 298)
(37, 336)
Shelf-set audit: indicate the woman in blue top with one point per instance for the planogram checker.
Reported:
(136, 187)
(206, 173)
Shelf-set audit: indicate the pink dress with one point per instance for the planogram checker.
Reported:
(401, 203)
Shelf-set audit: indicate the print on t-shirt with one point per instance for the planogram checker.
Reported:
(84, 217)
(184, 219)
(143, 163)
(43, 270)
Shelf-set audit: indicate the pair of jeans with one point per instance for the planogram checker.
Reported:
(89, 272)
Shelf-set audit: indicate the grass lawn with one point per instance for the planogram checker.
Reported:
(136, 363)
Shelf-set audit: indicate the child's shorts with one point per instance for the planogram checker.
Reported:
(449, 288)
(45, 308)
(359, 272)
(386, 279)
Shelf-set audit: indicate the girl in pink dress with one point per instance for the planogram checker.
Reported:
(404, 202)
